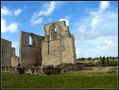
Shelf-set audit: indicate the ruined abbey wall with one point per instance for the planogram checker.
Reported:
(58, 46)
(6, 52)
(55, 47)
(30, 54)
(51, 53)
(8, 56)
(14, 58)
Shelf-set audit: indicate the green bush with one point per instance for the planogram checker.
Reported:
(109, 63)
(113, 63)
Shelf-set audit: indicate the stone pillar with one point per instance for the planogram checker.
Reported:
(13, 51)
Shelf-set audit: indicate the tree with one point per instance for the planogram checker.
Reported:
(103, 60)
(107, 59)
(113, 58)
(82, 59)
(89, 58)
(78, 59)
(100, 57)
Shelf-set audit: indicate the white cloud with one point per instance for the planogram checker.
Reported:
(97, 17)
(102, 46)
(98, 24)
(5, 11)
(98, 30)
(106, 45)
(39, 20)
(108, 42)
(96, 21)
(104, 5)
(46, 10)
(50, 9)
(12, 27)
(18, 11)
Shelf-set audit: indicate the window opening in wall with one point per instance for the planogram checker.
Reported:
(55, 29)
(56, 32)
(30, 40)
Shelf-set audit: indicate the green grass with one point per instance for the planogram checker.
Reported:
(67, 80)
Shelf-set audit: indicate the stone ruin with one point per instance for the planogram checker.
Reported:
(8, 55)
(54, 48)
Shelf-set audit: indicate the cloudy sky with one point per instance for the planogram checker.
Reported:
(94, 24)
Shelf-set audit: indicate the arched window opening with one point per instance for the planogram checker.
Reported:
(30, 40)
(55, 29)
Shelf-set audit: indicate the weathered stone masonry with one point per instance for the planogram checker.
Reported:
(8, 56)
(56, 47)
(30, 54)
(6, 52)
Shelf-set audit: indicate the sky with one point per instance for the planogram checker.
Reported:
(94, 24)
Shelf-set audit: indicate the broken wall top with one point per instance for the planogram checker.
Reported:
(2, 39)
(60, 24)
(26, 36)
(56, 30)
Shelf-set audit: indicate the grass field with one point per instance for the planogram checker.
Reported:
(66, 80)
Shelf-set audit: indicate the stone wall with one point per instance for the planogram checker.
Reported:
(8, 55)
(30, 70)
(6, 52)
(58, 46)
(51, 54)
(30, 54)
(14, 58)
(14, 61)
(56, 55)
(68, 55)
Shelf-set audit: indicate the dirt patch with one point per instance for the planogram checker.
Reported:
(99, 69)
(94, 70)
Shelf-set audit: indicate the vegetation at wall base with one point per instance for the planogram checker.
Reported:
(50, 69)
(20, 69)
